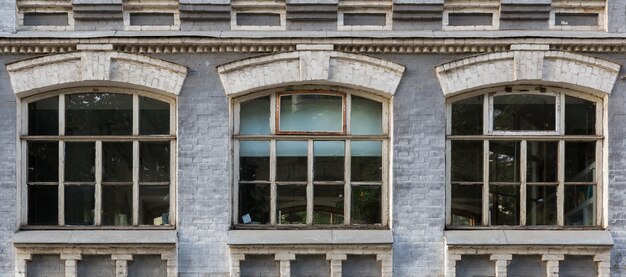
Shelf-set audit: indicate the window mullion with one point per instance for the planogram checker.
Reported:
(135, 115)
(135, 200)
(235, 185)
(347, 112)
(62, 115)
(273, 118)
(560, 106)
(599, 188)
(487, 114)
(61, 187)
(486, 183)
(523, 166)
(309, 186)
(347, 190)
(560, 192)
(98, 188)
(384, 216)
(273, 195)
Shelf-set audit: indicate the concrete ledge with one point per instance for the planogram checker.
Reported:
(96, 237)
(529, 237)
(250, 237)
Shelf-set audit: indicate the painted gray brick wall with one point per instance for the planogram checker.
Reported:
(147, 265)
(46, 265)
(7, 16)
(96, 265)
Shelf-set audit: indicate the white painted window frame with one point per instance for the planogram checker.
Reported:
(388, 20)
(281, 12)
(495, 19)
(524, 136)
(602, 19)
(128, 27)
(22, 11)
(22, 153)
(273, 137)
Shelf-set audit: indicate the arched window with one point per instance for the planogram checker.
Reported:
(524, 157)
(98, 157)
(313, 157)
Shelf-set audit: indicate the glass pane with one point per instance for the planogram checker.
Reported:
(467, 116)
(291, 161)
(504, 205)
(580, 116)
(542, 161)
(117, 161)
(311, 113)
(117, 205)
(98, 114)
(80, 161)
(467, 161)
(328, 204)
(580, 161)
(254, 160)
(254, 116)
(154, 205)
(580, 205)
(367, 117)
(541, 205)
(254, 203)
(366, 207)
(328, 160)
(366, 160)
(43, 203)
(503, 161)
(467, 208)
(79, 205)
(524, 112)
(43, 117)
(154, 162)
(43, 161)
(154, 117)
(291, 204)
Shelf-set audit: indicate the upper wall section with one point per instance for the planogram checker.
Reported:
(7, 16)
(324, 15)
(93, 67)
(528, 64)
(311, 66)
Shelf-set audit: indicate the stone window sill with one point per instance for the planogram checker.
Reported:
(95, 237)
(529, 237)
(278, 237)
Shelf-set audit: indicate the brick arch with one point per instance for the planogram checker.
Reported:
(528, 65)
(95, 68)
(311, 67)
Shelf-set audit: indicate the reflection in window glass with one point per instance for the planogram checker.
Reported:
(98, 114)
(291, 204)
(254, 203)
(366, 161)
(328, 160)
(154, 161)
(504, 205)
(503, 161)
(117, 161)
(524, 112)
(366, 207)
(154, 205)
(580, 205)
(79, 205)
(117, 205)
(80, 161)
(328, 204)
(43, 117)
(467, 209)
(541, 161)
(254, 160)
(541, 205)
(254, 116)
(154, 117)
(43, 205)
(311, 113)
(580, 161)
(367, 116)
(467, 116)
(580, 116)
(43, 161)
(467, 161)
(291, 161)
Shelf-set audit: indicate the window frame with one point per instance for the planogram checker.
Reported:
(522, 137)
(22, 139)
(276, 135)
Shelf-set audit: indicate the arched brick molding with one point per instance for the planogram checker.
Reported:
(92, 68)
(527, 64)
(311, 67)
